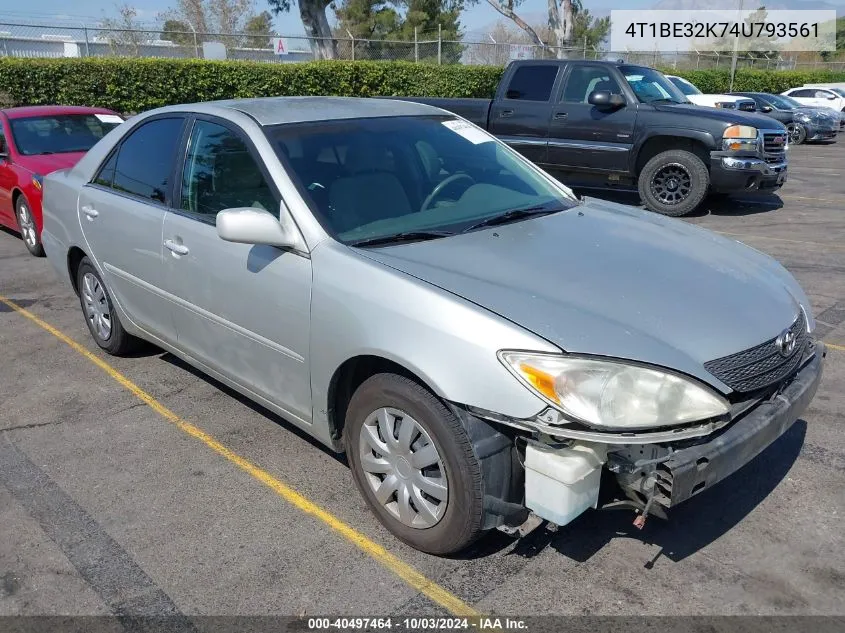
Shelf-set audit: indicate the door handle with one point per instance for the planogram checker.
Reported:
(505, 113)
(178, 249)
(559, 116)
(91, 212)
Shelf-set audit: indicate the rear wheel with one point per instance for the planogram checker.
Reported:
(797, 133)
(100, 315)
(27, 227)
(674, 182)
(414, 464)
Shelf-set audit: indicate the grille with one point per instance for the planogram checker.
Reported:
(770, 146)
(760, 366)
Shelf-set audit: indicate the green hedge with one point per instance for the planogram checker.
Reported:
(134, 85)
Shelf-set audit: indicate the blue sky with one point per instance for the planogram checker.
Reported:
(478, 18)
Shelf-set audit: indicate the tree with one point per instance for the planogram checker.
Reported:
(220, 18)
(259, 29)
(177, 32)
(124, 33)
(589, 31)
(756, 47)
(315, 22)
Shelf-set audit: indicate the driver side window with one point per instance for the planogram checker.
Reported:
(583, 80)
(221, 173)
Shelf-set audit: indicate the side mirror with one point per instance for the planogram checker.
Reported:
(513, 94)
(766, 109)
(605, 99)
(831, 97)
(254, 226)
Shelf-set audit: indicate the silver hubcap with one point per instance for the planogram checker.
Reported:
(27, 226)
(96, 306)
(403, 468)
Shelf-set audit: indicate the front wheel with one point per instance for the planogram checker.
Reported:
(797, 133)
(27, 227)
(414, 464)
(673, 183)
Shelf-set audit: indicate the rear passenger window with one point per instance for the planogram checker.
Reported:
(532, 83)
(144, 160)
(106, 175)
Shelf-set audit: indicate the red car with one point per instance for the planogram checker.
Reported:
(35, 141)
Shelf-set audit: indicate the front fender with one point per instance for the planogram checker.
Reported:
(361, 307)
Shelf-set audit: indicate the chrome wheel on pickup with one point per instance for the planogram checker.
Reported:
(414, 464)
(673, 182)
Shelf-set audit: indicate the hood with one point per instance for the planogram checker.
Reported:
(45, 163)
(610, 280)
(730, 117)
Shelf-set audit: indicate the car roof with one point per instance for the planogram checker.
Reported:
(50, 110)
(280, 110)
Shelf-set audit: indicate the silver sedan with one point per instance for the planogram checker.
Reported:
(406, 288)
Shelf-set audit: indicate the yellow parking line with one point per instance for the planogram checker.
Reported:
(836, 347)
(408, 574)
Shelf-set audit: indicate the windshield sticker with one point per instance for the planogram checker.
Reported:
(109, 118)
(468, 131)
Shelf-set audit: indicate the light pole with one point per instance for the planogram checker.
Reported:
(736, 48)
(196, 44)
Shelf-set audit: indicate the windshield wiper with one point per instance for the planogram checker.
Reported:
(408, 236)
(513, 214)
(664, 100)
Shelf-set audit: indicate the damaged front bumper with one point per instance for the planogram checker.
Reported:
(695, 468)
(557, 471)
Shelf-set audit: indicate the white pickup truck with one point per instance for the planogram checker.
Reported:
(730, 102)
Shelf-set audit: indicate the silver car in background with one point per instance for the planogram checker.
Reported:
(404, 287)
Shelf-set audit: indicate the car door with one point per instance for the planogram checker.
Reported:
(827, 99)
(521, 116)
(242, 310)
(7, 181)
(121, 212)
(583, 136)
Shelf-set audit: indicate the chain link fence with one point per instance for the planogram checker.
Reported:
(82, 40)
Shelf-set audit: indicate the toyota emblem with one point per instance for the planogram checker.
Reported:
(785, 342)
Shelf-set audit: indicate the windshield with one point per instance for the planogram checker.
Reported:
(789, 101)
(838, 91)
(781, 102)
(376, 177)
(684, 86)
(61, 133)
(651, 86)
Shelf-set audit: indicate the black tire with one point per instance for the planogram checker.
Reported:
(679, 167)
(461, 524)
(27, 227)
(797, 133)
(118, 342)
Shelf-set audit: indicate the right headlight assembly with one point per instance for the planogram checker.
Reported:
(613, 395)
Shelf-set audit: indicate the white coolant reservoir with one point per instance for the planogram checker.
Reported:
(560, 483)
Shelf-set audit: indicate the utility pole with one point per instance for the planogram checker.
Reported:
(736, 48)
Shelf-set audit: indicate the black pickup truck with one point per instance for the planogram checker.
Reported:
(599, 123)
